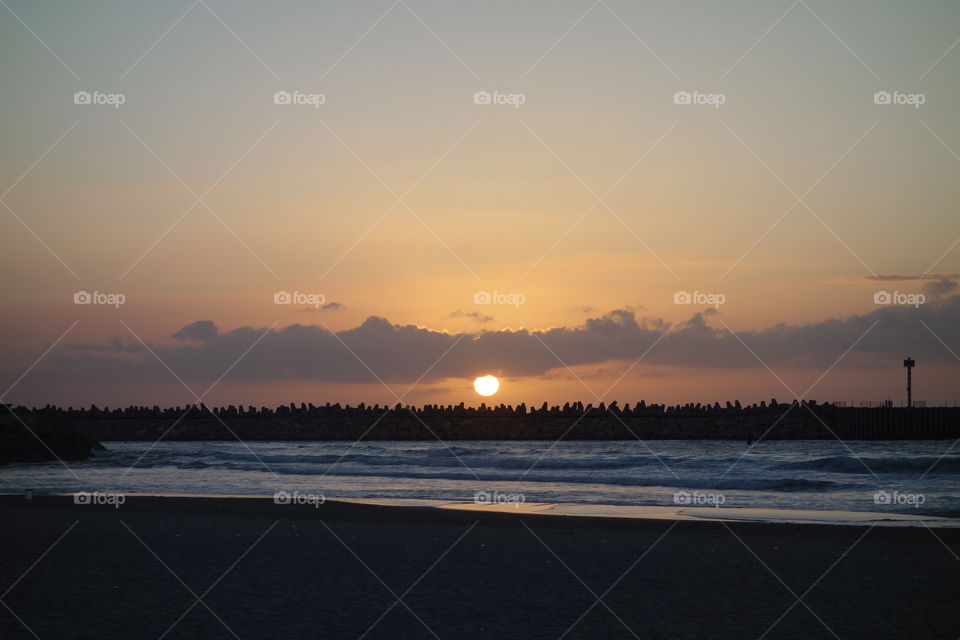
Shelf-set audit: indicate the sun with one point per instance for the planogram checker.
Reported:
(486, 385)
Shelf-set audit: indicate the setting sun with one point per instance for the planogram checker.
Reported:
(486, 385)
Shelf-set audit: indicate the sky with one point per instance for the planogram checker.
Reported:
(378, 201)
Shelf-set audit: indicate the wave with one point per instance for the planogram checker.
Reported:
(890, 464)
(333, 467)
(467, 474)
(542, 461)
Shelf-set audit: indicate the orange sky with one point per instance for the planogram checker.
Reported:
(590, 189)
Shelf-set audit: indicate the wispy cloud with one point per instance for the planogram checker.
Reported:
(473, 315)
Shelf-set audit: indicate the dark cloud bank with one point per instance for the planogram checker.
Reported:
(200, 351)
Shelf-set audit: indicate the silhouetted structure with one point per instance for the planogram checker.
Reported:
(909, 363)
(799, 420)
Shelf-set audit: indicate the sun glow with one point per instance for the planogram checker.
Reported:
(486, 385)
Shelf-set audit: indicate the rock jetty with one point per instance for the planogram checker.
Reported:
(76, 431)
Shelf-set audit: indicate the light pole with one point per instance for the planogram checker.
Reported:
(909, 364)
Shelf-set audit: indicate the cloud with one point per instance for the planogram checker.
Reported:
(199, 331)
(937, 289)
(330, 306)
(475, 315)
(586, 309)
(402, 353)
(936, 286)
(893, 277)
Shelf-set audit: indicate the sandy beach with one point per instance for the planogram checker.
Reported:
(346, 570)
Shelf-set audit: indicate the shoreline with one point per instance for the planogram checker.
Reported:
(569, 513)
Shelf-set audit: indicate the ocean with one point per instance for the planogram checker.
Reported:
(905, 477)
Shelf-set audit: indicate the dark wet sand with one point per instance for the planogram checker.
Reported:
(337, 571)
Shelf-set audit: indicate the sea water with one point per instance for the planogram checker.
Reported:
(907, 477)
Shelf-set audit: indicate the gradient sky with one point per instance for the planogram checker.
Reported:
(597, 200)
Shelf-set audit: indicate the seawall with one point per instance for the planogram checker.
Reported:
(774, 421)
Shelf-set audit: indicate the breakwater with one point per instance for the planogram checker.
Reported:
(805, 420)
